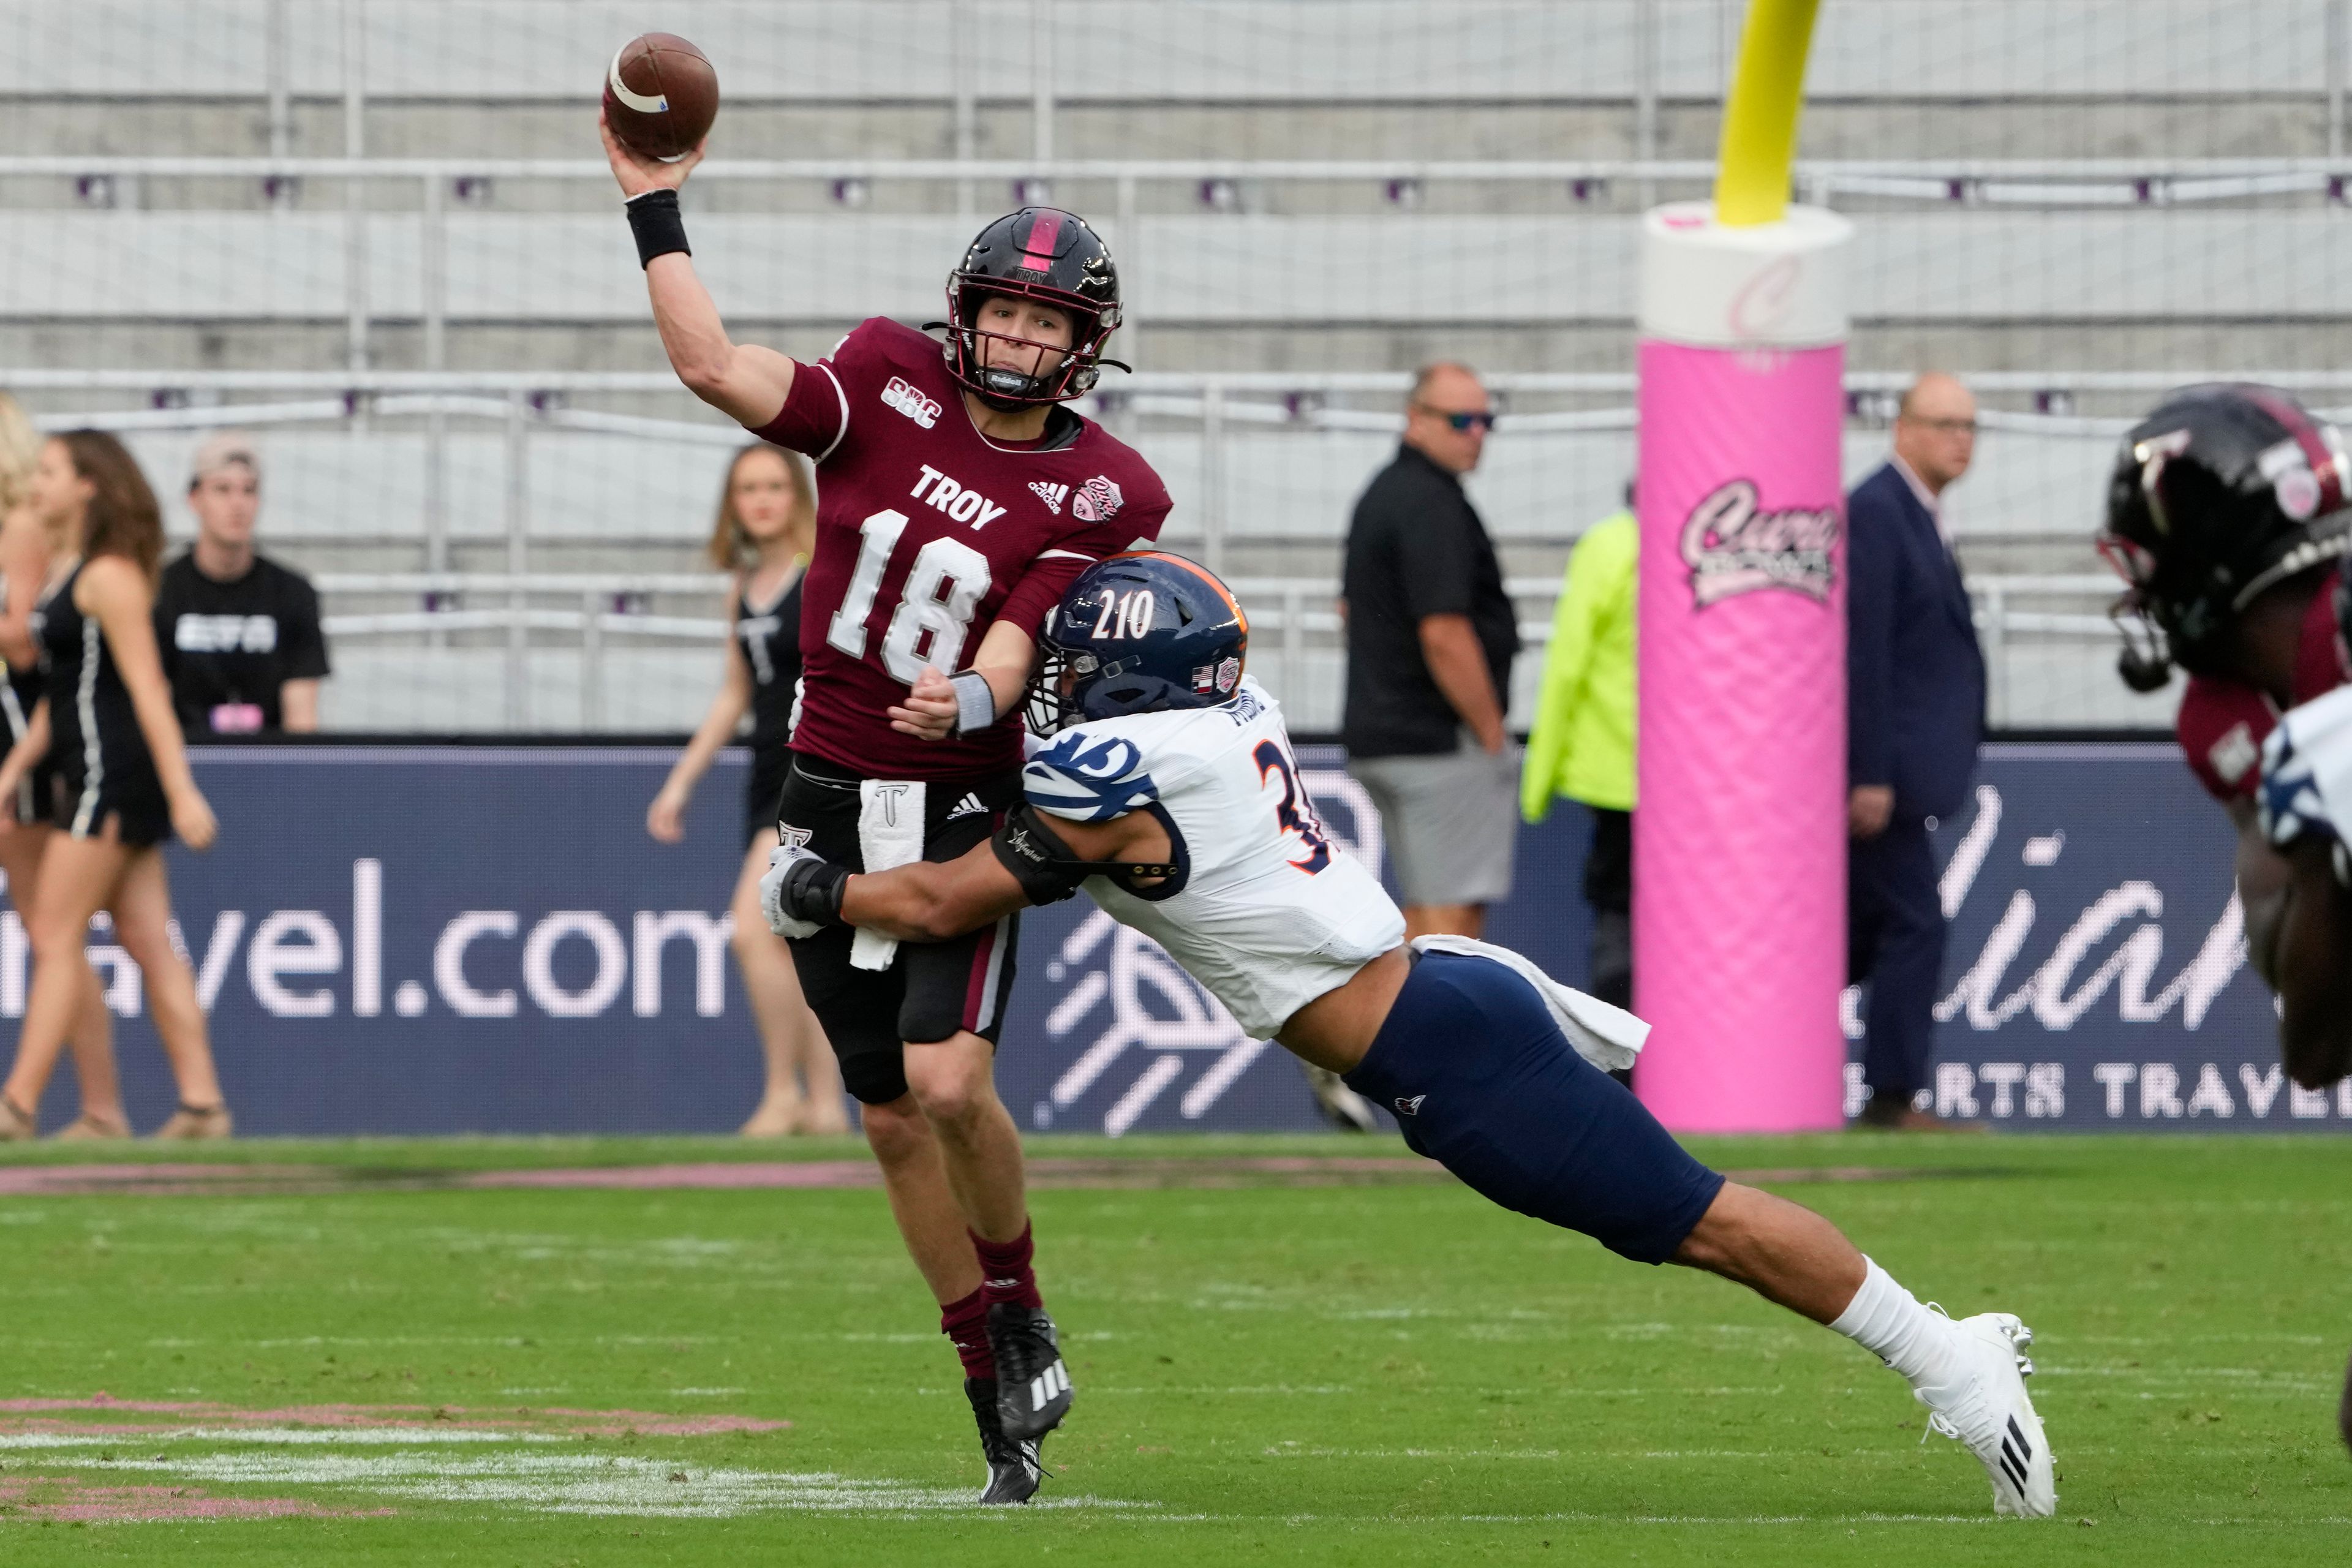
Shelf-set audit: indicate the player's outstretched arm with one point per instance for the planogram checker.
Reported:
(934, 900)
(1026, 863)
(2313, 965)
(745, 381)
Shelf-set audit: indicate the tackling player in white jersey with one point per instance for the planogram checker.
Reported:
(1167, 788)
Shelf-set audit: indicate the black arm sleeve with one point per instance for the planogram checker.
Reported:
(1047, 869)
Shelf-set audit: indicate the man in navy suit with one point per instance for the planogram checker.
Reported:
(1915, 714)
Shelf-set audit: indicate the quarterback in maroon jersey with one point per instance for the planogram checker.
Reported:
(957, 498)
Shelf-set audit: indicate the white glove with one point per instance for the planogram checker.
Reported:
(780, 861)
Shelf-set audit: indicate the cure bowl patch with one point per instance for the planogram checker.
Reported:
(1097, 500)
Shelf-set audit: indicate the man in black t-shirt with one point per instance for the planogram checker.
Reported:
(1431, 636)
(239, 634)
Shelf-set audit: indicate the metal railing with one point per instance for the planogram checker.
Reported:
(1963, 182)
(591, 611)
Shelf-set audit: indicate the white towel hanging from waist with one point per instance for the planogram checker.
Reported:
(889, 833)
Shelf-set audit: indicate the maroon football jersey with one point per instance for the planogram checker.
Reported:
(2220, 726)
(2221, 723)
(926, 533)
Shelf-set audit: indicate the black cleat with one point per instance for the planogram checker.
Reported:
(1033, 1386)
(1013, 1468)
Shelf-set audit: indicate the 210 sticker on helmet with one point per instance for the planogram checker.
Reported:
(1139, 633)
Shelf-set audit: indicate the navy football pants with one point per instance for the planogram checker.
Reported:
(1482, 1080)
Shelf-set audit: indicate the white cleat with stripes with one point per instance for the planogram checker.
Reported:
(1985, 1407)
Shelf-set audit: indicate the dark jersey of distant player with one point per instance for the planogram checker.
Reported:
(229, 647)
(95, 744)
(771, 638)
(2222, 722)
(926, 533)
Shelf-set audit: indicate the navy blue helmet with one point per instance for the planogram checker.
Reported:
(1139, 633)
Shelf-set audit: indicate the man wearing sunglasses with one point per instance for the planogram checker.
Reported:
(1431, 636)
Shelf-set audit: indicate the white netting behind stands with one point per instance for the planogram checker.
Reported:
(379, 232)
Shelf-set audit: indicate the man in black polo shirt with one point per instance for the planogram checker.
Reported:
(240, 633)
(1431, 636)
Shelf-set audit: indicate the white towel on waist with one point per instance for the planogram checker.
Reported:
(889, 833)
(1609, 1037)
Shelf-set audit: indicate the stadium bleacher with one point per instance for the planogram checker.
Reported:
(402, 268)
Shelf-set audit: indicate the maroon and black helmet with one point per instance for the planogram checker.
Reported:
(1051, 257)
(2222, 492)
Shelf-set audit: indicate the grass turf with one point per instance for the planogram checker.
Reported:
(1267, 1371)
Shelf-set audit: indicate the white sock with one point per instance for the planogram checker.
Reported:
(1888, 1321)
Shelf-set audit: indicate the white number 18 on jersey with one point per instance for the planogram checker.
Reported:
(944, 587)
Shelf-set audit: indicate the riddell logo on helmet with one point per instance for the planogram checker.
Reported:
(1097, 500)
(909, 400)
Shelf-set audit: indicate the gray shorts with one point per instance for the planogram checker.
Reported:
(1448, 819)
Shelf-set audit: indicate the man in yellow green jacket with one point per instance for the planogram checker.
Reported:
(1583, 745)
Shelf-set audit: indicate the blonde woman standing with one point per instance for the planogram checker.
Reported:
(766, 525)
(123, 784)
(30, 551)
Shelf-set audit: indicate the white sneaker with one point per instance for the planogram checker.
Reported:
(1986, 1407)
(1342, 1106)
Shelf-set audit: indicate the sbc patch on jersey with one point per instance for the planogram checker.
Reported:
(1088, 778)
(911, 401)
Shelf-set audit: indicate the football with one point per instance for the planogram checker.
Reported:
(661, 96)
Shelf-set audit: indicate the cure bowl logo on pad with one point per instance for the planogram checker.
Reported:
(1732, 546)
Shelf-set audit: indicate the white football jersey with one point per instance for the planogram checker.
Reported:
(1269, 913)
(2307, 777)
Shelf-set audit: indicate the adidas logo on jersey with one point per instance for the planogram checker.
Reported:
(1052, 495)
(968, 806)
(909, 400)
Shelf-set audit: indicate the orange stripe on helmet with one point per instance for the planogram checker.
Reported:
(1239, 616)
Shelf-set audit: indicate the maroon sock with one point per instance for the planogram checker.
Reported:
(1004, 1272)
(965, 1323)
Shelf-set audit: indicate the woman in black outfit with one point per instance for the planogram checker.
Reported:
(122, 784)
(31, 551)
(766, 526)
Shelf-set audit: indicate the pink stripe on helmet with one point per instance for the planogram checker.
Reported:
(1043, 230)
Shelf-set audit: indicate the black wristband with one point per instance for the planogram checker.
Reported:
(655, 220)
(813, 890)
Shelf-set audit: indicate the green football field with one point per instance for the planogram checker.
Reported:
(1286, 1350)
